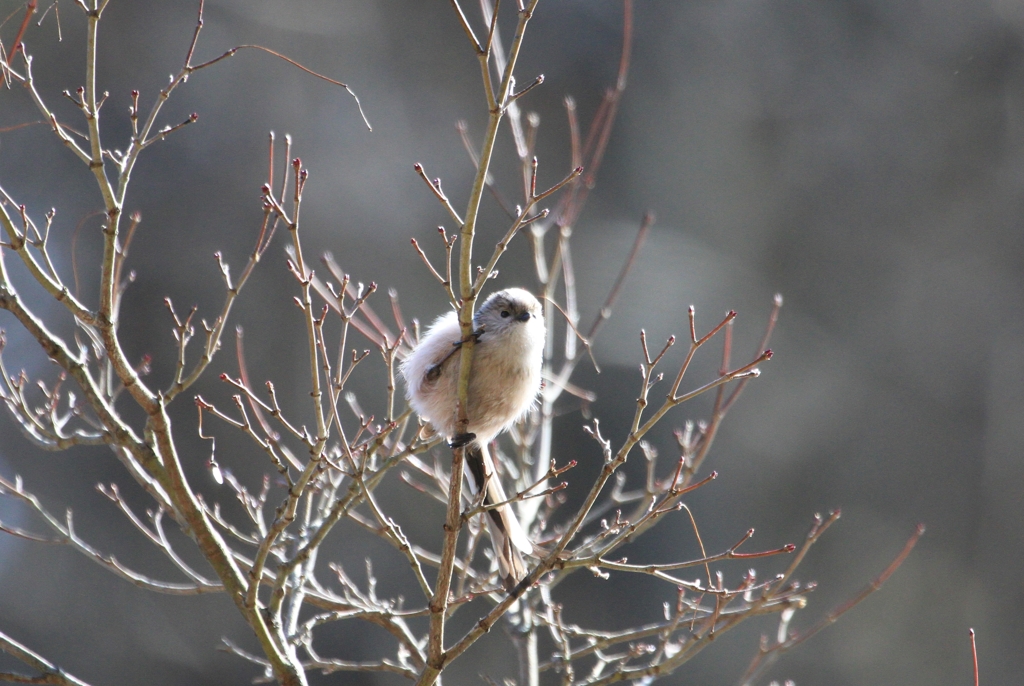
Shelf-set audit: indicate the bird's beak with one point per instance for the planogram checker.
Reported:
(524, 317)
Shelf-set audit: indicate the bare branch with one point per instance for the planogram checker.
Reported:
(50, 673)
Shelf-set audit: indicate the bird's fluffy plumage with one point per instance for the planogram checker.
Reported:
(506, 370)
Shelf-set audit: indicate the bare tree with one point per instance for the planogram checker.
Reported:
(327, 472)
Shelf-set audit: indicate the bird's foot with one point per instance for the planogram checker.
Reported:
(475, 336)
(461, 440)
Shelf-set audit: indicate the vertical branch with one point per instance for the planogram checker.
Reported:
(497, 109)
(542, 461)
(497, 102)
(305, 277)
(974, 657)
(107, 317)
(92, 113)
(569, 207)
(108, 269)
(437, 657)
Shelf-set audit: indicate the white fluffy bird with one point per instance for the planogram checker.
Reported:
(503, 385)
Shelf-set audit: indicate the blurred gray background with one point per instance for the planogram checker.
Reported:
(865, 158)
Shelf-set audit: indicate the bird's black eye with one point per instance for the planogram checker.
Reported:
(505, 314)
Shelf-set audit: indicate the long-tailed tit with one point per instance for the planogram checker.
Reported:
(503, 384)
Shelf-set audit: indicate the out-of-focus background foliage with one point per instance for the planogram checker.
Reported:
(863, 157)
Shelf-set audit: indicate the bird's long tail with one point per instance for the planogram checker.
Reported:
(507, 535)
